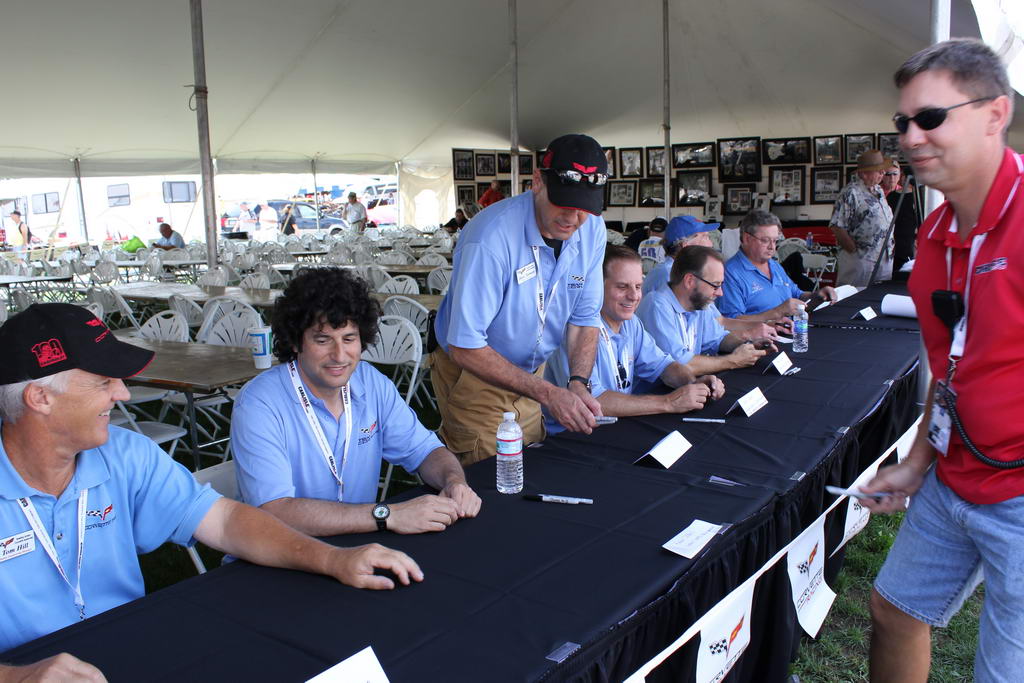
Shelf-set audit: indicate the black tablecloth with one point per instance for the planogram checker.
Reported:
(506, 589)
(841, 314)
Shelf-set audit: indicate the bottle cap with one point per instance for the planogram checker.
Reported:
(508, 416)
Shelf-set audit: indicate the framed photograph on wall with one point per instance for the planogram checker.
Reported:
(739, 159)
(609, 156)
(826, 182)
(763, 202)
(889, 146)
(851, 175)
(631, 162)
(540, 157)
(504, 162)
(693, 155)
(655, 162)
(480, 189)
(622, 193)
(485, 164)
(692, 188)
(828, 149)
(462, 164)
(465, 194)
(651, 192)
(786, 151)
(527, 184)
(786, 185)
(525, 164)
(713, 209)
(739, 198)
(856, 144)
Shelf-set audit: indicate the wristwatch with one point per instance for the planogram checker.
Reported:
(582, 380)
(381, 512)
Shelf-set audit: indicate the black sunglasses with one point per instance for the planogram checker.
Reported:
(576, 177)
(623, 376)
(931, 118)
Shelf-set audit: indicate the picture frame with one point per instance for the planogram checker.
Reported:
(621, 193)
(739, 198)
(763, 202)
(692, 188)
(631, 162)
(739, 159)
(504, 162)
(609, 156)
(828, 150)
(785, 151)
(465, 194)
(850, 175)
(525, 164)
(485, 164)
(655, 162)
(651, 192)
(855, 144)
(506, 187)
(826, 183)
(693, 155)
(889, 146)
(539, 156)
(787, 185)
(713, 209)
(462, 164)
(527, 184)
(480, 189)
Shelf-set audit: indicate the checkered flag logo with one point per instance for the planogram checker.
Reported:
(578, 278)
(857, 507)
(719, 646)
(803, 567)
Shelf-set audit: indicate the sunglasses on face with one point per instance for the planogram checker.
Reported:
(930, 118)
(575, 177)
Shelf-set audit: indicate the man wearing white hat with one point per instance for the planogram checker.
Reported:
(860, 222)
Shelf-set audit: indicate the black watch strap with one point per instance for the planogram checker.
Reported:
(585, 381)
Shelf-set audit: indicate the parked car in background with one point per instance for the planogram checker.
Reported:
(375, 191)
(383, 210)
(305, 216)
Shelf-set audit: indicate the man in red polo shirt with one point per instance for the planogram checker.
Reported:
(966, 519)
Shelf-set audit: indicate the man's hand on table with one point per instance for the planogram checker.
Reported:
(467, 502)
(56, 669)
(355, 567)
(574, 408)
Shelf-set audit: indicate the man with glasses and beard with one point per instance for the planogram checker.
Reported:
(678, 317)
(756, 286)
(526, 272)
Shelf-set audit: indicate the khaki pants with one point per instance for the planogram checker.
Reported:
(471, 410)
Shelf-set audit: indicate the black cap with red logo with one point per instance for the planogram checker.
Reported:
(583, 154)
(45, 339)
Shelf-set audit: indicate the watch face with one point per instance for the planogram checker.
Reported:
(381, 511)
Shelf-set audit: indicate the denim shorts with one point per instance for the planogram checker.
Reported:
(944, 548)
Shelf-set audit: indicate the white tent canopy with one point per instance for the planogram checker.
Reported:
(361, 85)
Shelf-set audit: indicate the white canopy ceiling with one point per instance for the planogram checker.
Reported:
(362, 84)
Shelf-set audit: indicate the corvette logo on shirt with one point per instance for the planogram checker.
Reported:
(576, 281)
(368, 433)
(106, 516)
(755, 288)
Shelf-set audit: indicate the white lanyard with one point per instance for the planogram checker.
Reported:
(318, 431)
(689, 334)
(541, 301)
(625, 360)
(44, 538)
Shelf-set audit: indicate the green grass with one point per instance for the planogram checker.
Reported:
(840, 652)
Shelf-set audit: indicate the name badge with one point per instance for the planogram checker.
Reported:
(941, 424)
(527, 272)
(17, 545)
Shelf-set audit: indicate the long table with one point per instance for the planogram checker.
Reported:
(506, 590)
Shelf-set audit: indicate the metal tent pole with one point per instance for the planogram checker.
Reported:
(513, 39)
(939, 33)
(666, 124)
(316, 193)
(200, 93)
(81, 199)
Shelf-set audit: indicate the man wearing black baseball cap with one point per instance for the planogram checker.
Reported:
(524, 269)
(79, 498)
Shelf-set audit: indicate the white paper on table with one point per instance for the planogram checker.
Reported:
(900, 306)
(842, 292)
(780, 364)
(692, 539)
(362, 666)
(866, 313)
(805, 559)
(668, 450)
(750, 402)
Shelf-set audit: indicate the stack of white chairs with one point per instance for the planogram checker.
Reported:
(255, 281)
(418, 315)
(212, 278)
(104, 272)
(437, 279)
(216, 308)
(400, 284)
(192, 312)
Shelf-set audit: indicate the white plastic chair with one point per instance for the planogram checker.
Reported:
(437, 279)
(400, 284)
(104, 272)
(165, 326)
(222, 479)
(219, 306)
(255, 281)
(376, 276)
(192, 311)
(788, 246)
(432, 259)
(157, 431)
(418, 315)
(212, 278)
(231, 329)
(22, 299)
(123, 308)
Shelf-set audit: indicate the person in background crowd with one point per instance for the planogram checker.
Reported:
(247, 220)
(860, 221)
(526, 273)
(677, 315)
(652, 247)
(756, 287)
(895, 185)
(640, 234)
(268, 220)
(492, 195)
(64, 468)
(355, 212)
(19, 236)
(627, 355)
(966, 516)
(288, 220)
(169, 238)
(682, 231)
(457, 223)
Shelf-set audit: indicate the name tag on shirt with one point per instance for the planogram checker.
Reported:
(17, 545)
(941, 424)
(527, 272)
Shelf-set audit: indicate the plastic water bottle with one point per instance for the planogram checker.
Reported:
(510, 455)
(810, 240)
(800, 330)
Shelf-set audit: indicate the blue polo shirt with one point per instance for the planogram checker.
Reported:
(492, 295)
(138, 498)
(175, 240)
(276, 455)
(633, 347)
(680, 333)
(746, 290)
(658, 276)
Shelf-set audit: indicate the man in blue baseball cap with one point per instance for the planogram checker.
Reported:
(682, 231)
(756, 287)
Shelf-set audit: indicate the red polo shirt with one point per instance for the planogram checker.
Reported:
(991, 371)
